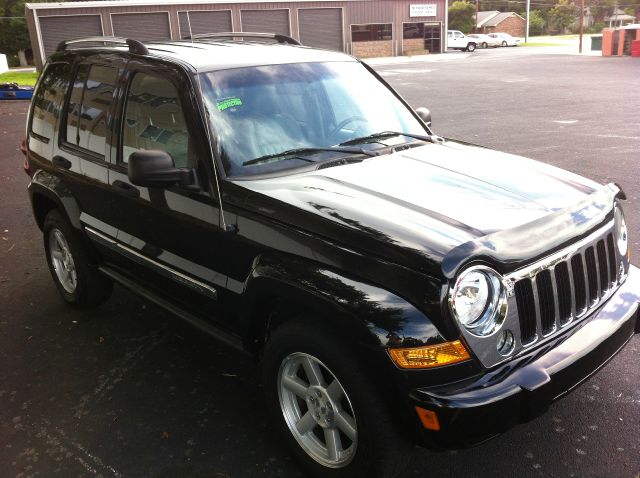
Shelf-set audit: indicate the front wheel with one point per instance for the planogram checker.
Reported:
(471, 47)
(329, 415)
(504, 43)
(484, 44)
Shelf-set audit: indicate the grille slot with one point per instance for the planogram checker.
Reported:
(550, 296)
(526, 310)
(612, 259)
(602, 267)
(563, 286)
(592, 274)
(579, 285)
(546, 301)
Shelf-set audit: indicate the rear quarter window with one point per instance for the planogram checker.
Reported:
(48, 100)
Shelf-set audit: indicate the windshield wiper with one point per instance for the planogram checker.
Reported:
(295, 153)
(387, 134)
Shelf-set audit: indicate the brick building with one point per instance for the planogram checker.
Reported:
(364, 28)
(504, 22)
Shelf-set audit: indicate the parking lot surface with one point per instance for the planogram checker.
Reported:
(128, 391)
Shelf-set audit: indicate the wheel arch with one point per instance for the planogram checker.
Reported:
(283, 287)
(46, 194)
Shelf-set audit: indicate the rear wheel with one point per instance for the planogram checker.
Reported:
(471, 47)
(80, 284)
(329, 415)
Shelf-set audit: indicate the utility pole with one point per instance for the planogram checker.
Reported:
(526, 31)
(581, 24)
(475, 27)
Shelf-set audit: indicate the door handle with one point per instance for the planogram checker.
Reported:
(61, 162)
(126, 189)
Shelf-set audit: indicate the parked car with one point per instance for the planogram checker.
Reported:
(395, 287)
(456, 40)
(484, 41)
(505, 39)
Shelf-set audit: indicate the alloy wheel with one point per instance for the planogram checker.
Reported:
(317, 410)
(62, 261)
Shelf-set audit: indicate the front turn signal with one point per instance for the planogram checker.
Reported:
(430, 356)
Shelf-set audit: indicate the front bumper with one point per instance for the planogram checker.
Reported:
(472, 412)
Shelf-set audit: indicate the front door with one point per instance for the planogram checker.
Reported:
(169, 237)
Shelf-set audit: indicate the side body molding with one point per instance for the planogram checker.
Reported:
(379, 318)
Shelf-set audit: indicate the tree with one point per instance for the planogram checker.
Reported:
(14, 36)
(462, 16)
(563, 15)
(536, 22)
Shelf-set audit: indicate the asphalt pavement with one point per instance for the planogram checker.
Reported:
(126, 390)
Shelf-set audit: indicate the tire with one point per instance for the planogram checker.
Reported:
(358, 423)
(72, 264)
(484, 44)
(504, 43)
(471, 47)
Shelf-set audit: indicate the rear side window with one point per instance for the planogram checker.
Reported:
(48, 100)
(154, 119)
(89, 105)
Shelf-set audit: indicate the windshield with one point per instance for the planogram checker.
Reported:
(259, 112)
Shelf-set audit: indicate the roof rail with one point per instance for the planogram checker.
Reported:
(272, 36)
(135, 46)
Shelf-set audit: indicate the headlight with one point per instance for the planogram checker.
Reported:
(621, 231)
(476, 300)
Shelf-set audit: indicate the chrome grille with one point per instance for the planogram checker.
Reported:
(565, 290)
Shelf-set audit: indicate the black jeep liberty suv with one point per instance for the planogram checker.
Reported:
(395, 286)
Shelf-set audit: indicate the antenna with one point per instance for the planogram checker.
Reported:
(205, 111)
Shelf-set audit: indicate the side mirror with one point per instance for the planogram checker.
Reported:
(156, 169)
(424, 114)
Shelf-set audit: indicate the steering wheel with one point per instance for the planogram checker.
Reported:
(344, 123)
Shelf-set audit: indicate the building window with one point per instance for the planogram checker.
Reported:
(371, 32)
(412, 30)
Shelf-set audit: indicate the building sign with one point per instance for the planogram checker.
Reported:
(423, 10)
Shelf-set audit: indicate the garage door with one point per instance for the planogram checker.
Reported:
(321, 27)
(141, 26)
(205, 22)
(57, 29)
(269, 21)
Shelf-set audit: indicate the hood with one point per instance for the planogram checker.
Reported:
(425, 200)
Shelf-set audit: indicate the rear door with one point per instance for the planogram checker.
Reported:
(83, 146)
(169, 237)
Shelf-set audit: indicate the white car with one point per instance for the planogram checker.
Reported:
(484, 41)
(456, 40)
(505, 39)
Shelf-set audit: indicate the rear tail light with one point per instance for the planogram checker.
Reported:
(23, 150)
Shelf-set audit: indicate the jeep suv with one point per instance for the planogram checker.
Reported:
(396, 287)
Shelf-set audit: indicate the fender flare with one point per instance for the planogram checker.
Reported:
(379, 318)
(50, 187)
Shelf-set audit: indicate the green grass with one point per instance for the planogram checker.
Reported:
(539, 44)
(26, 78)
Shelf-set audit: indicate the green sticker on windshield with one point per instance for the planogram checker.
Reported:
(228, 103)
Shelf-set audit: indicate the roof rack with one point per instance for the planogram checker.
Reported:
(272, 36)
(135, 46)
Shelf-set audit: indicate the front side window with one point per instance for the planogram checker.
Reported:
(89, 106)
(265, 110)
(154, 119)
